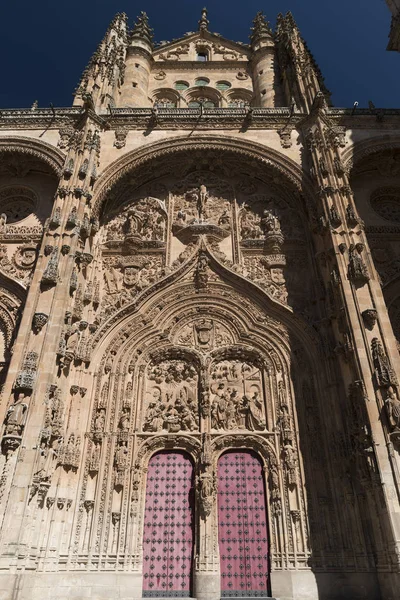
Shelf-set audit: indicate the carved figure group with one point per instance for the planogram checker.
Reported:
(230, 411)
(146, 221)
(169, 415)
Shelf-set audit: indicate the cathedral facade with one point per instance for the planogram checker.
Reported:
(200, 329)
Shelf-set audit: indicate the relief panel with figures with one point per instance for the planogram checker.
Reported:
(144, 220)
(237, 397)
(171, 398)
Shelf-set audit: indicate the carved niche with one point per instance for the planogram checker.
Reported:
(170, 402)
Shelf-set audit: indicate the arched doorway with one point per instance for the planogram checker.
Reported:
(168, 526)
(242, 526)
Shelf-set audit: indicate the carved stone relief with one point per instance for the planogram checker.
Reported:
(171, 397)
(237, 401)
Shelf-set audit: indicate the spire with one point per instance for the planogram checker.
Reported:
(141, 30)
(106, 58)
(260, 29)
(203, 23)
(293, 49)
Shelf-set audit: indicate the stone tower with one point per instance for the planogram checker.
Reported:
(199, 329)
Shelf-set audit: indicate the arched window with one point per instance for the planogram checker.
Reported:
(181, 85)
(164, 103)
(165, 98)
(223, 85)
(238, 103)
(201, 101)
(201, 82)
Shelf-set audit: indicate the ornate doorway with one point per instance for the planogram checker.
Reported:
(242, 526)
(168, 526)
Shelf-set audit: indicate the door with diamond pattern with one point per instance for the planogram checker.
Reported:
(242, 526)
(168, 526)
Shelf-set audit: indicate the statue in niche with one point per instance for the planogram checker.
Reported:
(270, 223)
(201, 197)
(100, 420)
(124, 420)
(237, 402)
(289, 455)
(16, 416)
(272, 232)
(392, 404)
(207, 491)
(121, 455)
(95, 457)
(47, 461)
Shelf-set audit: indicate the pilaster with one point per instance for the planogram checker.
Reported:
(365, 344)
(52, 336)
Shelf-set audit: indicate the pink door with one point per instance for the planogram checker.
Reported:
(168, 526)
(242, 526)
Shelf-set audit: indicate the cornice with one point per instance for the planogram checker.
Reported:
(190, 65)
(208, 118)
(26, 118)
(365, 118)
(187, 118)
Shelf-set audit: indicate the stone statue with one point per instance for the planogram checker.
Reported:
(155, 417)
(124, 419)
(121, 455)
(16, 416)
(392, 404)
(218, 406)
(252, 408)
(132, 223)
(289, 455)
(207, 490)
(47, 461)
(201, 201)
(100, 420)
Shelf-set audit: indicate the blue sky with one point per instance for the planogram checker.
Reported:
(45, 45)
